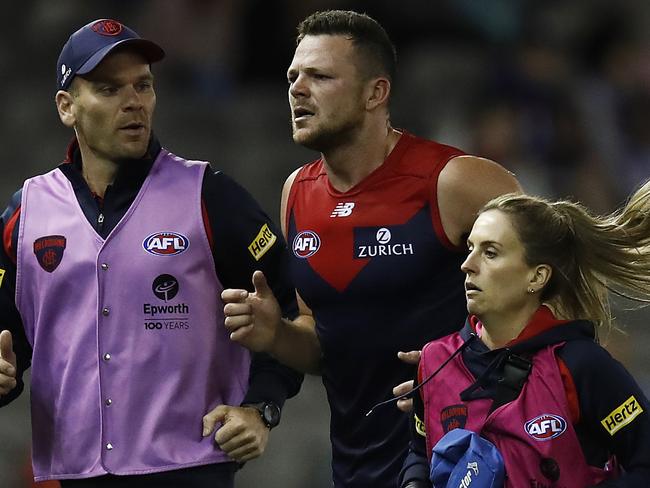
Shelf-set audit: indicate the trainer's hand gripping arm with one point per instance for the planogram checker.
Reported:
(406, 404)
(242, 435)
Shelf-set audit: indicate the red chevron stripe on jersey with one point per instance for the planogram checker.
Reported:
(351, 228)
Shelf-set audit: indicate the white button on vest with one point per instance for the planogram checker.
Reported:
(107, 357)
(109, 446)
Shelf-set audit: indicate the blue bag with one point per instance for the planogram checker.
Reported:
(463, 459)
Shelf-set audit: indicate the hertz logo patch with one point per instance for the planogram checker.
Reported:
(2, 275)
(419, 426)
(262, 242)
(622, 415)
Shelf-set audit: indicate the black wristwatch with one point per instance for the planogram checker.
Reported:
(269, 412)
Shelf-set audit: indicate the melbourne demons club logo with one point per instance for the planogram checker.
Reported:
(166, 243)
(306, 244)
(107, 27)
(545, 427)
(453, 417)
(49, 251)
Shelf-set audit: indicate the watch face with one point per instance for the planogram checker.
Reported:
(271, 414)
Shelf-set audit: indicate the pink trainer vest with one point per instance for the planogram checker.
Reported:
(129, 346)
(533, 433)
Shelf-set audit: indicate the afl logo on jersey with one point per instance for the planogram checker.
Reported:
(306, 244)
(545, 427)
(166, 243)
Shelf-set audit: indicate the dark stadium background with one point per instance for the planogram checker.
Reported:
(556, 91)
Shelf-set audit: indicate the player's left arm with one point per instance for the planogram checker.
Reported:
(465, 184)
(245, 239)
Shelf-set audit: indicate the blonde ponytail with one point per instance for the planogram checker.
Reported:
(589, 254)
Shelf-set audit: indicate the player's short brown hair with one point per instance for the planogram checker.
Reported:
(376, 50)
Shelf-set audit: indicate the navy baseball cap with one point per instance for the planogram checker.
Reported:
(87, 47)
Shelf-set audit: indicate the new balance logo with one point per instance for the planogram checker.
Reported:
(343, 209)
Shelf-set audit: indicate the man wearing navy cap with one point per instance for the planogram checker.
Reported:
(111, 270)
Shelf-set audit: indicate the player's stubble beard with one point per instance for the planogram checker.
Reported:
(329, 137)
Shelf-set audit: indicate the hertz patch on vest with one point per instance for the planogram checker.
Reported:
(2, 275)
(263, 241)
(419, 426)
(622, 415)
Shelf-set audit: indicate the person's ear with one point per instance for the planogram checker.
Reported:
(379, 91)
(65, 106)
(540, 277)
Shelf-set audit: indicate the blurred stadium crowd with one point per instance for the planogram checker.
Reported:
(558, 92)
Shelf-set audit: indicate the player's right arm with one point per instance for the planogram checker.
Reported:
(255, 321)
(15, 351)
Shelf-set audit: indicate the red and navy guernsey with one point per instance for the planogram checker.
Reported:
(380, 276)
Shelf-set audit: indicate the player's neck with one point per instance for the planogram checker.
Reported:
(347, 165)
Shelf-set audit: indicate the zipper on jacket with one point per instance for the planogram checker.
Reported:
(100, 222)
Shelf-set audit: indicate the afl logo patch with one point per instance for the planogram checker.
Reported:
(107, 27)
(166, 243)
(306, 244)
(545, 427)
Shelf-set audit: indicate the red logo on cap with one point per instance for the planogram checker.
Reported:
(107, 27)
